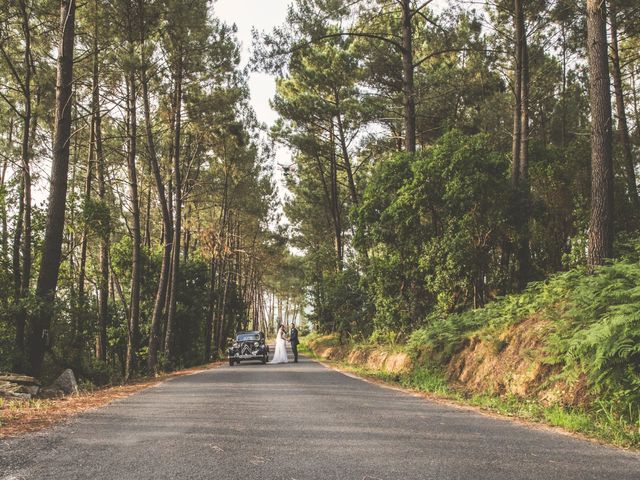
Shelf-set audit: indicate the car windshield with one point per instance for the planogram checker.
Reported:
(248, 337)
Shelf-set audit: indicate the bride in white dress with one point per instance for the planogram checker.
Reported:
(280, 355)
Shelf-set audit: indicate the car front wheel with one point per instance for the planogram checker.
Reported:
(231, 362)
(264, 358)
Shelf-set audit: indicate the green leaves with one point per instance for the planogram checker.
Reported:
(594, 330)
(604, 338)
(96, 215)
(431, 222)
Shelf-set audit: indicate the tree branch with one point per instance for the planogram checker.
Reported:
(420, 8)
(451, 50)
(347, 34)
(14, 72)
(11, 105)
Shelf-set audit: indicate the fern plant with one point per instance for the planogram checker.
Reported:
(594, 330)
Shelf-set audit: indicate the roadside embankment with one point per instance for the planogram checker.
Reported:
(565, 352)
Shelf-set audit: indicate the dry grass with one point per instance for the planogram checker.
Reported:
(23, 416)
(509, 364)
(368, 356)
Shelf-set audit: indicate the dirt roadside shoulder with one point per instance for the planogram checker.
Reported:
(18, 417)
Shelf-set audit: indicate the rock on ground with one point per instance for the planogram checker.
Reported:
(66, 383)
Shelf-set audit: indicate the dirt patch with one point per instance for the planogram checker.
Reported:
(23, 416)
(373, 358)
(398, 362)
(359, 356)
(332, 353)
(377, 359)
(514, 363)
(563, 393)
(326, 347)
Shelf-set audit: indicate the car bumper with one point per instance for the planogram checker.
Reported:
(255, 356)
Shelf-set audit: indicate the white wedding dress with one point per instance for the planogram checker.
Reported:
(280, 355)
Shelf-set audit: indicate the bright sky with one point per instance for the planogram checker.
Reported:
(262, 15)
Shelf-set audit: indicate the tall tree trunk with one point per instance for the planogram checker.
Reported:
(208, 329)
(330, 187)
(16, 246)
(97, 156)
(524, 254)
(272, 310)
(225, 276)
(105, 230)
(77, 327)
(134, 317)
(563, 129)
(524, 104)
(601, 219)
(87, 191)
(335, 204)
(221, 248)
(177, 230)
(187, 244)
(345, 153)
(167, 225)
(52, 245)
(4, 240)
(187, 236)
(238, 264)
(634, 91)
(92, 160)
(147, 221)
(215, 319)
(623, 128)
(224, 328)
(516, 147)
(407, 78)
(27, 137)
(85, 232)
(279, 310)
(23, 229)
(70, 238)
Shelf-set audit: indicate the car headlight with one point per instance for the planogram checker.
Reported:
(235, 345)
(256, 344)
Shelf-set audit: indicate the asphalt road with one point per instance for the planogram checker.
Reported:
(298, 421)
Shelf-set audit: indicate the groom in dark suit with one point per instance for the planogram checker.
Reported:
(293, 340)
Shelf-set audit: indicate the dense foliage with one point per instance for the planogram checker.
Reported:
(170, 241)
(442, 156)
(498, 189)
(446, 158)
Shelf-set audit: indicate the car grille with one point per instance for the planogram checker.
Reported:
(245, 350)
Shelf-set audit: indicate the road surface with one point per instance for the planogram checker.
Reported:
(298, 421)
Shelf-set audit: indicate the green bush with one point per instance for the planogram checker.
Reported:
(430, 223)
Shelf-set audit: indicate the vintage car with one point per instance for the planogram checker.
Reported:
(248, 346)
